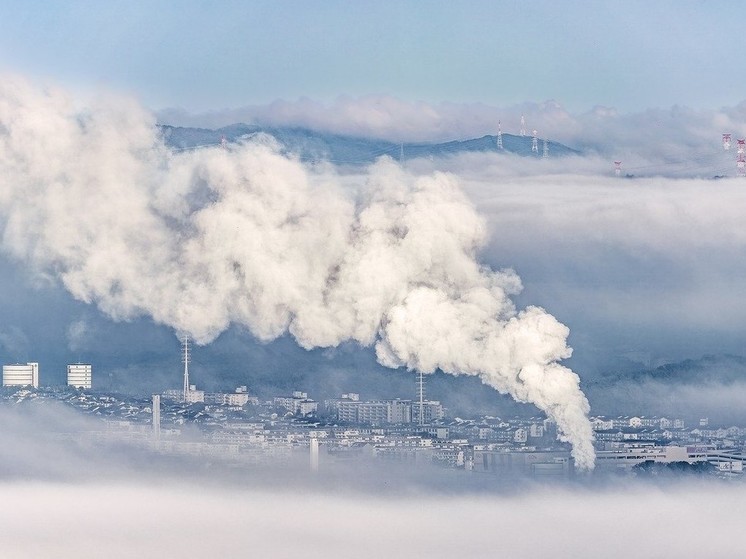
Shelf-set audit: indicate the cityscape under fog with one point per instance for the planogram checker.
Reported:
(237, 430)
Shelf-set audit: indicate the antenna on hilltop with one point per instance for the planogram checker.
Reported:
(185, 358)
(523, 125)
(535, 143)
(499, 136)
(545, 153)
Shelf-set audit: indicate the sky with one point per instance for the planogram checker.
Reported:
(203, 56)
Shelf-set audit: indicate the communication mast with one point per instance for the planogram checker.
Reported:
(185, 358)
(523, 125)
(618, 168)
(741, 165)
(499, 136)
(535, 143)
(223, 142)
(726, 142)
(741, 147)
(545, 153)
(421, 396)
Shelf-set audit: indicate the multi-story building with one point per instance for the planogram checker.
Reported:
(373, 413)
(194, 396)
(238, 398)
(297, 404)
(432, 410)
(399, 411)
(21, 375)
(79, 375)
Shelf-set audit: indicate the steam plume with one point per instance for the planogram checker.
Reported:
(248, 236)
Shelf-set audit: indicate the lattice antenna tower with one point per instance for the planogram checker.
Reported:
(545, 152)
(726, 142)
(535, 143)
(186, 358)
(499, 136)
(618, 168)
(421, 396)
(523, 125)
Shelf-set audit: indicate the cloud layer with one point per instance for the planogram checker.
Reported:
(680, 141)
(126, 520)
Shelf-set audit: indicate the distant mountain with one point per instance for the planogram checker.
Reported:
(713, 386)
(707, 369)
(311, 145)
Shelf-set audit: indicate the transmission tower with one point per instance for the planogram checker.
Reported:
(545, 153)
(421, 396)
(499, 136)
(726, 142)
(535, 143)
(618, 168)
(523, 125)
(185, 358)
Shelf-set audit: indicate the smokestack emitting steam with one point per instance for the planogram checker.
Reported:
(248, 236)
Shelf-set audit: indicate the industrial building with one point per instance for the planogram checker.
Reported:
(21, 375)
(79, 375)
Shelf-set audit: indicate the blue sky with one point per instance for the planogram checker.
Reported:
(214, 55)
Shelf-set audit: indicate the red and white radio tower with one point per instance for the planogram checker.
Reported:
(741, 147)
(618, 168)
(726, 142)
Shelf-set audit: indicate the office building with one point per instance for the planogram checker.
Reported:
(79, 375)
(21, 375)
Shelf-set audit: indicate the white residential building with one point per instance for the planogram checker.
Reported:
(79, 375)
(21, 375)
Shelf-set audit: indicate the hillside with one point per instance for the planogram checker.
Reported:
(347, 150)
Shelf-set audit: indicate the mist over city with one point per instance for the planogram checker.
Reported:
(305, 277)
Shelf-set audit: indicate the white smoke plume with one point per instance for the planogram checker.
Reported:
(247, 236)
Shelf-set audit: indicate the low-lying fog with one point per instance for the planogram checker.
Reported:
(133, 519)
(66, 499)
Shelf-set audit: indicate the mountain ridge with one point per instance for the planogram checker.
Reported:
(314, 146)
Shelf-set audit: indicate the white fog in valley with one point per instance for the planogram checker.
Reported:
(124, 520)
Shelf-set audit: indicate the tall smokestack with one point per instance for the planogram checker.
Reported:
(314, 455)
(156, 417)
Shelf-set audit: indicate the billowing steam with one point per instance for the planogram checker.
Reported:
(249, 236)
